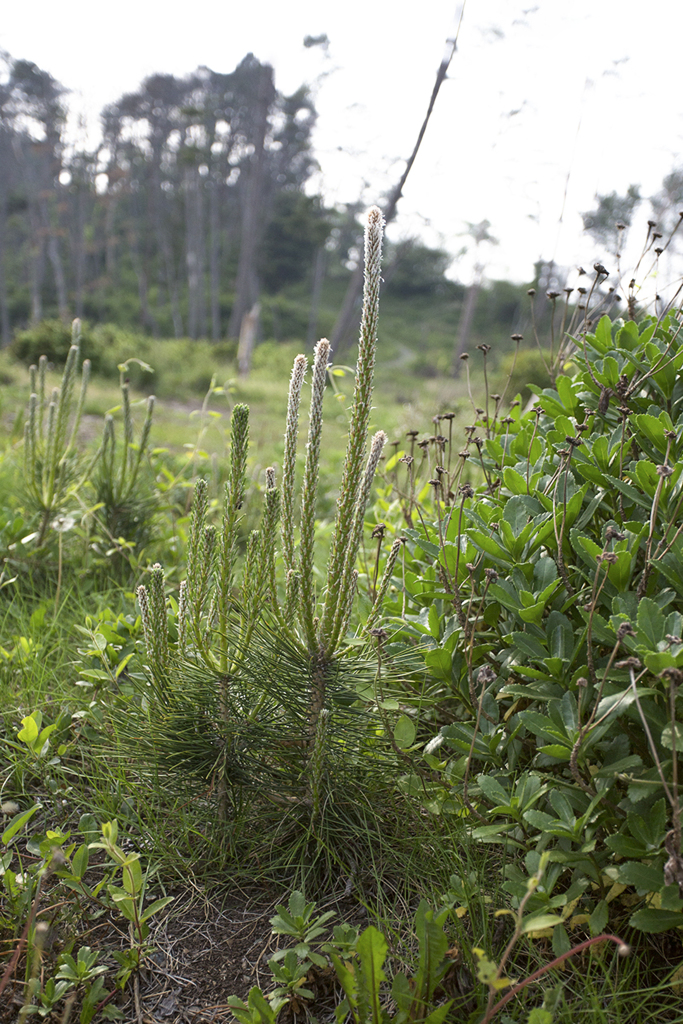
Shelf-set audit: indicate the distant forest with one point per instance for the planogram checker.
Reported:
(193, 204)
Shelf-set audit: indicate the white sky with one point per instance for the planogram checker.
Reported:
(542, 95)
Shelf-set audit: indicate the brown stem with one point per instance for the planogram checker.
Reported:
(622, 947)
(9, 971)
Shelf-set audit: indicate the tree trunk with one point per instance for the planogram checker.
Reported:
(55, 257)
(146, 314)
(110, 238)
(37, 271)
(194, 242)
(80, 219)
(247, 338)
(214, 262)
(5, 327)
(246, 285)
(159, 223)
(465, 325)
(316, 293)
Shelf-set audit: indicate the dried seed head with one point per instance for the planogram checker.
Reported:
(486, 675)
(552, 295)
(531, 292)
(629, 663)
(582, 682)
(379, 531)
(484, 348)
(611, 533)
(466, 490)
(625, 629)
(491, 575)
(465, 355)
(600, 270)
(664, 471)
(517, 337)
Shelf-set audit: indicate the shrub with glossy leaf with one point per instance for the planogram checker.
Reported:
(551, 597)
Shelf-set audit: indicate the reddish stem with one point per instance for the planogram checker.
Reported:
(24, 935)
(553, 963)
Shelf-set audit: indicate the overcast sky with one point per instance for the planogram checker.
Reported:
(546, 103)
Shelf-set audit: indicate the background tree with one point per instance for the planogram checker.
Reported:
(479, 233)
(198, 184)
(612, 210)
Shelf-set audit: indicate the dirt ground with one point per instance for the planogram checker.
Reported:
(205, 952)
